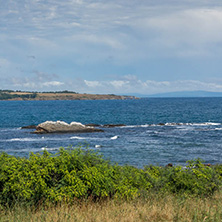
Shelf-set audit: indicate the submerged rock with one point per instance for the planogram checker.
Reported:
(63, 127)
(112, 125)
(106, 125)
(29, 127)
(93, 125)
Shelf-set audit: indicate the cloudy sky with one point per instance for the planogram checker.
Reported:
(111, 46)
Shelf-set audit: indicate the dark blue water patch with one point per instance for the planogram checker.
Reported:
(129, 112)
(192, 128)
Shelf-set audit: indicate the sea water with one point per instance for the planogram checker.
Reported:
(157, 130)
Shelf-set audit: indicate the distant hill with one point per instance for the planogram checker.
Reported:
(61, 95)
(187, 94)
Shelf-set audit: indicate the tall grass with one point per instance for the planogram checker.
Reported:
(154, 208)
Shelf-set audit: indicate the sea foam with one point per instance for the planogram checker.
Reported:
(114, 138)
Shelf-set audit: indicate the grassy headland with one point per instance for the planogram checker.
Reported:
(60, 95)
(77, 184)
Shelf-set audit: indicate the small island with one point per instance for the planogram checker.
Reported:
(58, 95)
(63, 127)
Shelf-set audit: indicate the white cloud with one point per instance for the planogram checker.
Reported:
(133, 85)
(118, 83)
(126, 30)
(37, 81)
(92, 83)
(187, 32)
(116, 36)
(126, 84)
(52, 83)
(149, 86)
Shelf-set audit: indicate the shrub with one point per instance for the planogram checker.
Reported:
(80, 173)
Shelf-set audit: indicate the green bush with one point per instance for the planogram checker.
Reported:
(70, 173)
(80, 173)
(5, 95)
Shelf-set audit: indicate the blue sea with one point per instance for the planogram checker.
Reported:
(157, 131)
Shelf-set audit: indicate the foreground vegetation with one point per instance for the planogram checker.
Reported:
(77, 184)
(154, 208)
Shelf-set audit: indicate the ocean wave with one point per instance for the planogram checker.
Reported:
(78, 138)
(50, 149)
(23, 139)
(205, 124)
(136, 126)
(9, 129)
(89, 138)
(173, 124)
(114, 137)
(193, 124)
(30, 139)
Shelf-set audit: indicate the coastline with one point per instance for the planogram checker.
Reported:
(19, 96)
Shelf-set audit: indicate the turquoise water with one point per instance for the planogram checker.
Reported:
(190, 128)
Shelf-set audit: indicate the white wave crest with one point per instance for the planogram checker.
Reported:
(206, 124)
(145, 125)
(22, 139)
(29, 139)
(193, 124)
(135, 126)
(173, 124)
(114, 138)
(77, 138)
(9, 129)
(49, 149)
(129, 126)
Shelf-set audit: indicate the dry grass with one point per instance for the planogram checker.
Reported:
(75, 96)
(154, 209)
(64, 96)
(20, 93)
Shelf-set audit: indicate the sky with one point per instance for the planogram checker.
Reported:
(111, 46)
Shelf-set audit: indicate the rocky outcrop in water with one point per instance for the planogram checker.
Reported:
(63, 127)
(112, 125)
(29, 127)
(106, 125)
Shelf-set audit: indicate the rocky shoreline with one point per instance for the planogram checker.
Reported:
(63, 127)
